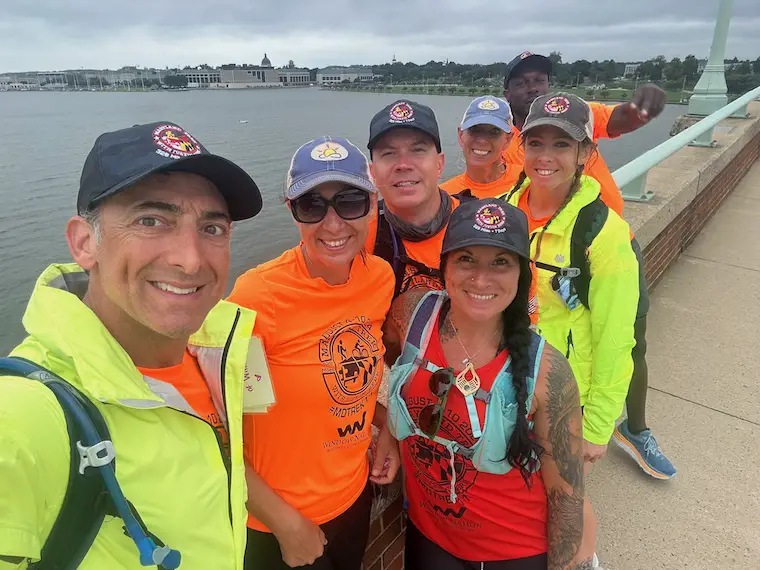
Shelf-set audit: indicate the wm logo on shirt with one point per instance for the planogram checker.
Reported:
(356, 427)
(447, 512)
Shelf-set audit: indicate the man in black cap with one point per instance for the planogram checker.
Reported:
(406, 164)
(528, 77)
(136, 331)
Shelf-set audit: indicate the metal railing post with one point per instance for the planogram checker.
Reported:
(635, 190)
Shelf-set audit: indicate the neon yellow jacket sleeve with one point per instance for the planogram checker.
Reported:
(613, 300)
(34, 467)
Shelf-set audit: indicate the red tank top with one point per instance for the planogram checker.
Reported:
(495, 517)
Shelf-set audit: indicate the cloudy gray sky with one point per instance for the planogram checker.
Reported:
(58, 34)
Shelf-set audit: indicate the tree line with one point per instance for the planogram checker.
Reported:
(674, 74)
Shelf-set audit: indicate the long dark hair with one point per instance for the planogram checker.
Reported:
(523, 451)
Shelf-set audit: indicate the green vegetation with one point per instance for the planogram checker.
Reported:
(595, 80)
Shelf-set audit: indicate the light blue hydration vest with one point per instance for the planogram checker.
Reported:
(489, 453)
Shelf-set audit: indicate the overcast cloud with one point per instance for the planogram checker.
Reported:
(65, 34)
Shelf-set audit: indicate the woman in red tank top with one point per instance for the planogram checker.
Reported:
(459, 517)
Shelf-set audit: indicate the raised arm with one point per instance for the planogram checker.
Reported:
(558, 428)
(647, 102)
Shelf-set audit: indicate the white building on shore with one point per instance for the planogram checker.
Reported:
(333, 75)
(294, 76)
(201, 77)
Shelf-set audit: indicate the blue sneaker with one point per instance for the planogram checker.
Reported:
(645, 451)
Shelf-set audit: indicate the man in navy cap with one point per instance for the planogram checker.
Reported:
(406, 164)
(136, 326)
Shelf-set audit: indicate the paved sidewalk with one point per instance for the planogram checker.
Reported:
(704, 408)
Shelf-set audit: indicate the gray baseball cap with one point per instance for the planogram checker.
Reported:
(564, 111)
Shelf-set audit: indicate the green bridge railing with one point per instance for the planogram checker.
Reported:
(632, 177)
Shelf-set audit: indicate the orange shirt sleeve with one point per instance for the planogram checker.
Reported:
(602, 114)
(252, 292)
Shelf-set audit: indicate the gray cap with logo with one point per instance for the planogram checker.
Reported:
(564, 111)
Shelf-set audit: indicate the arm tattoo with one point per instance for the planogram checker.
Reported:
(564, 414)
(402, 310)
(565, 505)
(446, 330)
(565, 528)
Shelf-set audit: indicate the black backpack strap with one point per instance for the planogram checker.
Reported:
(590, 221)
(86, 501)
(463, 196)
(390, 247)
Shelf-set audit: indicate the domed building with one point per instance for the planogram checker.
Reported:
(265, 62)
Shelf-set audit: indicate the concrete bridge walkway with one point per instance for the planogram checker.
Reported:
(704, 407)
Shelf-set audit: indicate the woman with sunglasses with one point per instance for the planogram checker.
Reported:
(320, 308)
(586, 276)
(488, 413)
(484, 135)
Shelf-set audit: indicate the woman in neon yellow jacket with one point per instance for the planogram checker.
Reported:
(585, 285)
(585, 271)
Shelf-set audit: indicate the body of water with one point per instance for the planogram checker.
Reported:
(45, 137)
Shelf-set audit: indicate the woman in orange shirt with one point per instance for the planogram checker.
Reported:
(320, 310)
(484, 135)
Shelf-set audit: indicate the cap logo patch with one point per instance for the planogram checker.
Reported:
(175, 142)
(329, 151)
(491, 218)
(525, 54)
(488, 105)
(557, 105)
(402, 113)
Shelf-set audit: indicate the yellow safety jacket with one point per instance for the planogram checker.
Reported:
(169, 463)
(596, 340)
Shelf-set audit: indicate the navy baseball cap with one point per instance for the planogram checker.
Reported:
(488, 110)
(120, 159)
(488, 222)
(404, 113)
(327, 159)
(527, 60)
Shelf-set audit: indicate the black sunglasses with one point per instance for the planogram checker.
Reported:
(349, 204)
(431, 416)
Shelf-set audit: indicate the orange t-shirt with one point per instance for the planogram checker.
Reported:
(500, 186)
(426, 252)
(596, 167)
(533, 223)
(188, 379)
(325, 353)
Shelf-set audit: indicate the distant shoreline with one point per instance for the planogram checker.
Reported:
(180, 89)
(606, 95)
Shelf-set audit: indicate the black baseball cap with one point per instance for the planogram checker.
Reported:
(488, 222)
(564, 111)
(404, 113)
(527, 60)
(120, 159)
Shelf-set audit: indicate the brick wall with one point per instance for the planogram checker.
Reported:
(679, 234)
(385, 550)
(386, 537)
